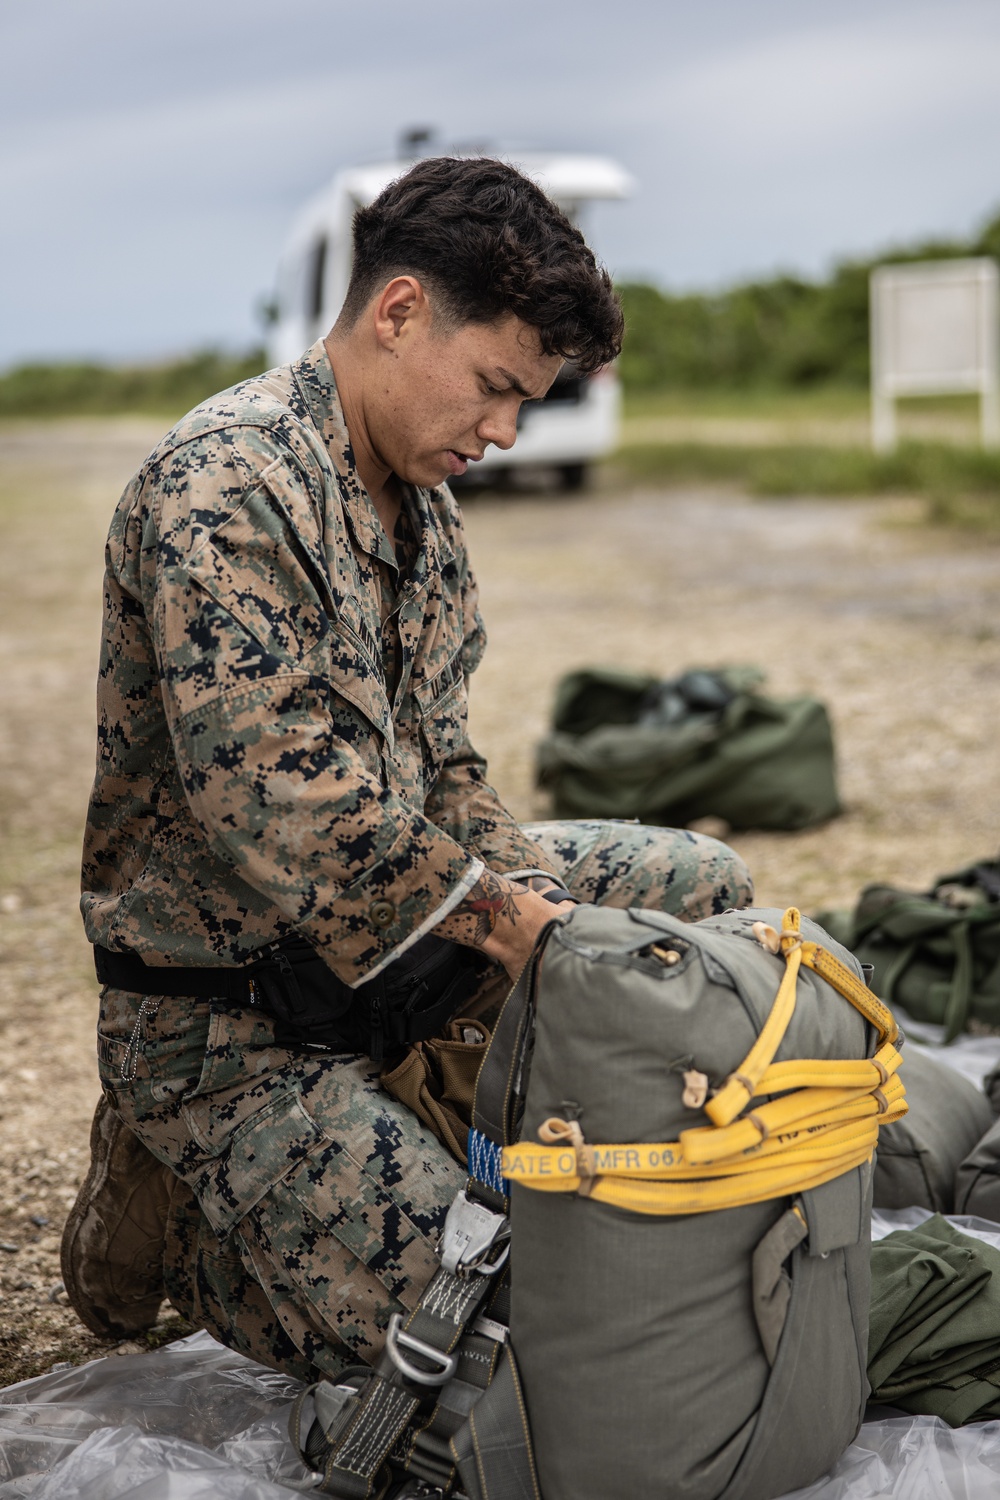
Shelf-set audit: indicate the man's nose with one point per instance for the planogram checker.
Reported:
(499, 427)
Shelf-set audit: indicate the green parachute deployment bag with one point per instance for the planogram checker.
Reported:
(922, 1156)
(655, 1280)
(689, 1129)
(936, 953)
(977, 1181)
(626, 745)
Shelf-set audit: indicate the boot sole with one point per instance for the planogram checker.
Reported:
(135, 1316)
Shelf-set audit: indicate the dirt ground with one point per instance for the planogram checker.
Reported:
(894, 625)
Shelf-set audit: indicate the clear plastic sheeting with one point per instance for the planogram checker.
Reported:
(915, 1458)
(195, 1421)
(972, 1056)
(124, 1461)
(885, 1220)
(190, 1420)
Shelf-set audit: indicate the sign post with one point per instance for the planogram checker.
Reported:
(935, 330)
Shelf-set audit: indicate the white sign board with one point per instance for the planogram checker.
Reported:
(935, 330)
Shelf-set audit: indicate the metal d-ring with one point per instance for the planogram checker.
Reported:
(446, 1364)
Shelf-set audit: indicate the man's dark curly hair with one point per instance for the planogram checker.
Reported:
(487, 242)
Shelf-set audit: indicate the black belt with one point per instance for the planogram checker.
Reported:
(126, 971)
(412, 998)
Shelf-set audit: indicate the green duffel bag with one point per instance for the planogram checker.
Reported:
(977, 1181)
(689, 1238)
(936, 953)
(626, 745)
(920, 1157)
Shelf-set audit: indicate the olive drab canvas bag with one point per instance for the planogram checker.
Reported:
(690, 1198)
(921, 1158)
(936, 953)
(626, 745)
(656, 1279)
(977, 1180)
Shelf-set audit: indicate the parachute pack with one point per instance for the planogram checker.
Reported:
(656, 1279)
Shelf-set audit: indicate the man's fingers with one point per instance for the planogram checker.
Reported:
(556, 909)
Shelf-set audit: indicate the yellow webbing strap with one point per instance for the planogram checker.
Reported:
(824, 1123)
(741, 1086)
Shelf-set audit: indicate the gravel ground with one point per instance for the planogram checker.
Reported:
(894, 625)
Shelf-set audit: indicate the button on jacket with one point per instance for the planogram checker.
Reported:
(282, 715)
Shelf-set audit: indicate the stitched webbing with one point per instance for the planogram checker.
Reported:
(353, 1460)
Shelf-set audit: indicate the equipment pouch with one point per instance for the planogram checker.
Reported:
(309, 1005)
(411, 1000)
(437, 1080)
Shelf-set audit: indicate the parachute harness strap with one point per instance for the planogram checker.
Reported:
(824, 1123)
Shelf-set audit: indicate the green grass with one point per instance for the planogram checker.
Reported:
(769, 403)
(42, 390)
(752, 402)
(961, 485)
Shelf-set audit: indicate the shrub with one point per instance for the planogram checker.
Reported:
(55, 390)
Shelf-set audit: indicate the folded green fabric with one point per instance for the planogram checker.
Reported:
(934, 1333)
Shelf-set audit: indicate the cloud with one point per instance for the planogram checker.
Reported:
(835, 89)
(789, 150)
(152, 157)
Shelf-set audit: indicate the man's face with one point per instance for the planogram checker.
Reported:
(443, 396)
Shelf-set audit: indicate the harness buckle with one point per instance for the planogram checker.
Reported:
(396, 1336)
(471, 1232)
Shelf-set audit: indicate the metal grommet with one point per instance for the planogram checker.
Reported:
(382, 913)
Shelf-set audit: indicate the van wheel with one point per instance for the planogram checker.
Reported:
(573, 477)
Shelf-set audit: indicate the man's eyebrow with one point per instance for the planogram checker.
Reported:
(514, 383)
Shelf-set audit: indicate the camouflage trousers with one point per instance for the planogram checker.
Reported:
(307, 1200)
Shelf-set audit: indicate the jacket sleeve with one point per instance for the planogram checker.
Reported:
(462, 802)
(239, 600)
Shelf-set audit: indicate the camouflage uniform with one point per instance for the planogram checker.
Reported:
(283, 748)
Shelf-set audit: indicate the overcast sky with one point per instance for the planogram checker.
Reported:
(152, 155)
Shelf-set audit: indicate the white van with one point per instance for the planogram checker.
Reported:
(578, 420)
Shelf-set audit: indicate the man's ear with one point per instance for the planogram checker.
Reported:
(400, 309)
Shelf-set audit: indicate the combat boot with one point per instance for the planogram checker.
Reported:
(112, 1245)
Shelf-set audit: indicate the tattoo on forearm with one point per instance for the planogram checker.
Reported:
(488, 901)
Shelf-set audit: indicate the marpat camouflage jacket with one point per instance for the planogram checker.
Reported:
(253, 777)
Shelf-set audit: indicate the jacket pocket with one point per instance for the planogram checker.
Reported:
(443, 706)
(260, 572)
(267, 1147)
(357, 678)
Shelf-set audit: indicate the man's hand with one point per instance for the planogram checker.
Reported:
(503, 919)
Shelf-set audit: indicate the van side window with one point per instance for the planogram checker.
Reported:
(315, 273)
